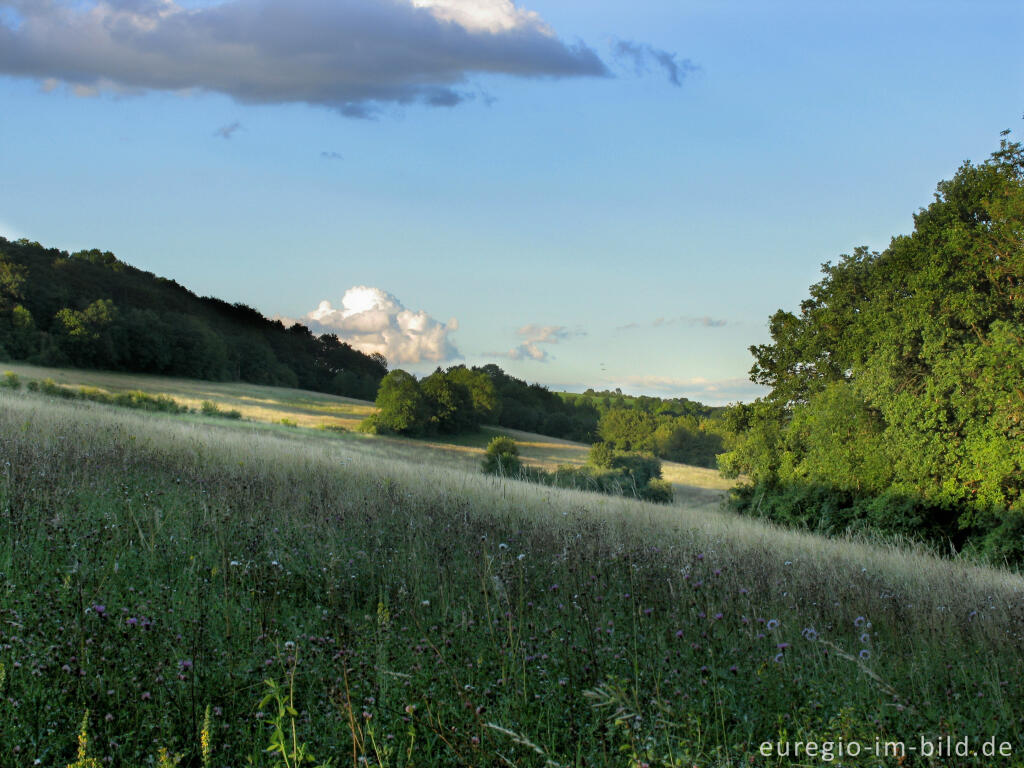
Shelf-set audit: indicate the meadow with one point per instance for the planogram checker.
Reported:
(339, 417)
(200, 592)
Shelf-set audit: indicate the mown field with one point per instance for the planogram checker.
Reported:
(160, 575)
(317, 411)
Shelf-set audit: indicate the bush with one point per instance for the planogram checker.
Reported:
(10, 381)
(658, 491)
(502, 457)
(333, 428)
(209, 408)
(601, 455)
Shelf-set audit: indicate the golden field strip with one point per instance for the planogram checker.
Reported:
(318, 411)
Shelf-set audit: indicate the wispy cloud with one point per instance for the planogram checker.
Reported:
(350, 55)
(331, 156)
(705, 321)
(373, 320)
(227, 131)
(642, 55)
(711, 391)
(534, 335)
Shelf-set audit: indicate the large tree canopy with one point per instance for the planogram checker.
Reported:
(897, 390)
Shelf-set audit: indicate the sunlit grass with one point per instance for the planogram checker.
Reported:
(311, 410)
(153, 566)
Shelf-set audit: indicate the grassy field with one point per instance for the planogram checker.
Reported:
(160, 576)
(272, 405)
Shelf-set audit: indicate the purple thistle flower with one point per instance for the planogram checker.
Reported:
(864, 654)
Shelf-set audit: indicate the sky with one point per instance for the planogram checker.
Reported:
(590, 194)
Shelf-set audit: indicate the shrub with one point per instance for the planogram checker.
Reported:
(659, 491)
(210, 408)
(502, 457)
(10, 381)
(601, 455)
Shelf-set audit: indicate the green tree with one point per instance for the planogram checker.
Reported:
(450, 403)
(899, 378)
(403, 408)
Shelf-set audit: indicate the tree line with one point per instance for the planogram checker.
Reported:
(90, 310)
(897, 390)
(461, 399)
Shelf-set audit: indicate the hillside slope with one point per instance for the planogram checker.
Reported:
(323, 415)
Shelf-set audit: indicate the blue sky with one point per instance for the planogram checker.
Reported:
(570, 212)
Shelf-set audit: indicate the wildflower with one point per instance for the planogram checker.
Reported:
(810, 633)
(205, 739)
(503, 546)
(146, 696)
(782, 646)
(185, 664)
(289, 646)
(859, 621)
(864, 654)
(734, 669)
(520, 556)
(719, 616)
(865, 638)
(425, 602)
(131, 621)
(84, 761)
(772, 624)
(99, 609)
(778, 658)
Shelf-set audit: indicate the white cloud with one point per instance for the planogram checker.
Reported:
(494, 16)
(534, 335)
(349, 55)
(710, 391)
(372, 320)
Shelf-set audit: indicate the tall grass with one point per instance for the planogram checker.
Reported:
(151, 568)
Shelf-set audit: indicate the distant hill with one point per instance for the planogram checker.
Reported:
(90, 310)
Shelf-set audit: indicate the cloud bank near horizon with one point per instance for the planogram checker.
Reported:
(353, 56)
(710, 391)
(372, 320)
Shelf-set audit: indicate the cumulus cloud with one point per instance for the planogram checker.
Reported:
(534, 335)
(641, 56)
(348, 55)
(372, 320)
